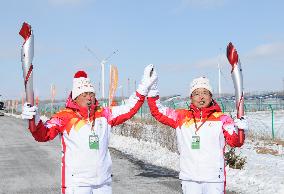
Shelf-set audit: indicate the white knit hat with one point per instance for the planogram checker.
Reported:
(81, 84)
(201, 82)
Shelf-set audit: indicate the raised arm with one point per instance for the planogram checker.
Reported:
(161, 113)
(118, 114)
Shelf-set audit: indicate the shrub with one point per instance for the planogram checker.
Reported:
(234, 160)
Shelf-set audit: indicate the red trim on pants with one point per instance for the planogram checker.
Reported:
(63, 187)
(224, 148)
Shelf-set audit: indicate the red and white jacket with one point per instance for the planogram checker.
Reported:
(82, 166)
(205, 164)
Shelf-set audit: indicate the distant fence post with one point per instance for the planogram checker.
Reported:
(174, 104)
(141, 112)
(272, 120)
(223, 107)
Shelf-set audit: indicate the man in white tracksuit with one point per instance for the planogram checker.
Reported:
(84, 129)
(202, 132)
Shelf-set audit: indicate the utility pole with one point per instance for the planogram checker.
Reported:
(219, 74)
(128, 87)
(122, 97)
(219, 80)
(283, 86)
(103, 71)
(103, 77)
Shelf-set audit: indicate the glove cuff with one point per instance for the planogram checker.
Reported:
(142, 89)
(241, 124)
(153, 93)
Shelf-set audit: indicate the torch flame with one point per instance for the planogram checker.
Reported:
(25, 31)
(232, 54)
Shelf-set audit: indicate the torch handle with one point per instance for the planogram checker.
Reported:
(30, 100)
(32, 126)
(241, 135)
(240, 114)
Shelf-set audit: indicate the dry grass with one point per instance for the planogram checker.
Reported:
(264, 150)
(279, 142)
(269, 147)
(149, 130)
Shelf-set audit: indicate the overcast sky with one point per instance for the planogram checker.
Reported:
(184, 39)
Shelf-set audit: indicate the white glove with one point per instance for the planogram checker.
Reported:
(241, 123)
(29, 112)
(153, 91)
(147, 80)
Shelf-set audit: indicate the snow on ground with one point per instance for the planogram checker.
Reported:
(149, 152)
(263, 173)
(260, 123)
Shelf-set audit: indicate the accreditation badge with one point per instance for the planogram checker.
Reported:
(195, 142)
(94, 142)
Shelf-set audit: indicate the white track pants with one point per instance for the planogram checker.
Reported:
(102, 189)
(193, 187)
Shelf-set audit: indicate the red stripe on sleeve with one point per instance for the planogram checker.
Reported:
(152, 102)
(123, 117)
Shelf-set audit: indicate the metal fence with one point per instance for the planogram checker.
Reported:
(269, 106)
(176, 103)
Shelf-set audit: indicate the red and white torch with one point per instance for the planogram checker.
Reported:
(237, 77)
(27, 55)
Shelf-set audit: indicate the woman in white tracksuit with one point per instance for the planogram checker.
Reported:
(202, 132)
(84, 129)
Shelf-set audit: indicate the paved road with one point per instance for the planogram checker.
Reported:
(25, 165)
(29, 167)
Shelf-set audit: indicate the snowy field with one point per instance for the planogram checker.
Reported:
(264, 169)
(261, 124)
(263, 173)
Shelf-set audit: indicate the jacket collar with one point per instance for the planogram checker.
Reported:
(204, 112)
